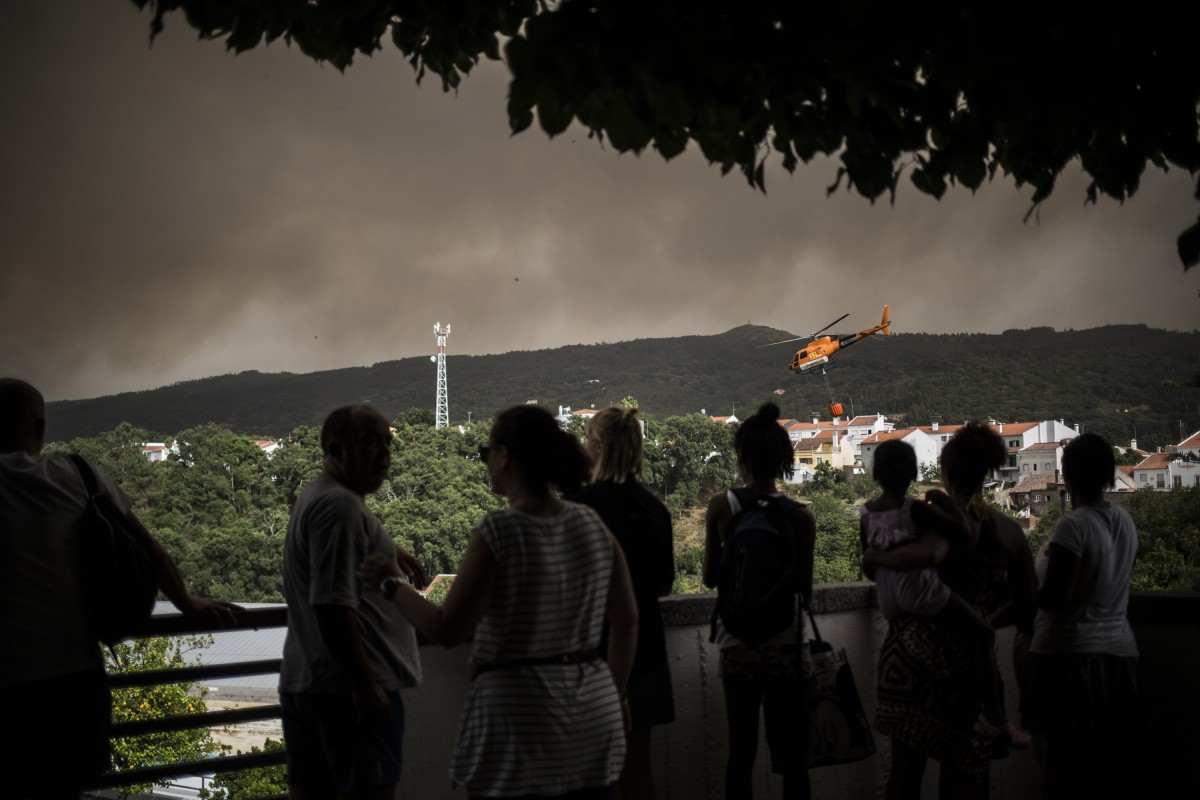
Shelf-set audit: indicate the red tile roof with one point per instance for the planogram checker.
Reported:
(1157, 461)
(1191, 441)
(1042, 446)
(886, 436)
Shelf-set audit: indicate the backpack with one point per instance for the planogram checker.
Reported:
(120, 580)
(758, 576)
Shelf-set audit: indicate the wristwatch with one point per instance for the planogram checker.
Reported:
(389, 585)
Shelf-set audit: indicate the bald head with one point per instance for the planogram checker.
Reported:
(22, 417)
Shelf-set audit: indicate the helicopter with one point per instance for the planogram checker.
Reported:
(817, 353)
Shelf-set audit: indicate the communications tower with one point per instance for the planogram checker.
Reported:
(441, 415)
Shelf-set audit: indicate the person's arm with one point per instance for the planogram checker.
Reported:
(805, 527)
(338, 626)
(1022, 584)
(171, 582)
(666, 556)
(453, 622)
(715, 521)
(621, 611)
(1062, 570)
(928, 551)
(944, 521)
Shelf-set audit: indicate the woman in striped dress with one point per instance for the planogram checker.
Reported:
(544, 716)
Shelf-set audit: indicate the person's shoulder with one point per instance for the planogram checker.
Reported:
(719, 503)
(325, 495)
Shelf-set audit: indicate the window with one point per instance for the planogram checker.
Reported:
(1177, 482)
(1159, 481)
(1024, 468)
(1013, 443)
(1049, 467)
(1035, 467)
(1141, 477)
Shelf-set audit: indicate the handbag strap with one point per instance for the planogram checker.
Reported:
(813, 621)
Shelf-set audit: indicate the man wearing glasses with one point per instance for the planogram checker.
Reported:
(348, 651)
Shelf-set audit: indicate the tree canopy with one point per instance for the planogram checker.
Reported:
(949, 93)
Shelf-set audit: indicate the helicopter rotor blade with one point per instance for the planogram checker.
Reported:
(830, 325)
(785, 341)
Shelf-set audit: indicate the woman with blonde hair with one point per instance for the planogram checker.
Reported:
(642, 526)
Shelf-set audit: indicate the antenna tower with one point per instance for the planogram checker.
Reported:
(441, 415)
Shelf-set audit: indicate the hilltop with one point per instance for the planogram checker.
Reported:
(1118, 380)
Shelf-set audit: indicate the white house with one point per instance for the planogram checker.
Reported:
(1165, 471)
(927, 450)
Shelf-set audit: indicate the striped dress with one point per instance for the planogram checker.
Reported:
(548, 728)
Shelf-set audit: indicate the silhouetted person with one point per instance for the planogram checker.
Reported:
(768, 676)
(642, 525)
(1080, 684)
(348, 651)
(52, 673)
(929, 682)
(543, 717)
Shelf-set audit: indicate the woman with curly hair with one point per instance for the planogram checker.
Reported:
(929, 686)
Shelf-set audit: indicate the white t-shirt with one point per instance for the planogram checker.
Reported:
(329, 534)
(1093, 619)
(42, 598)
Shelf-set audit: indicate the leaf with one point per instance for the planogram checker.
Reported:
(1189, 246)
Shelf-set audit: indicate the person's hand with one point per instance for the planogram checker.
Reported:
(371, 704)
(868, 563)
(374, 568)
(220, 611)
(938, 498)
(411, 567)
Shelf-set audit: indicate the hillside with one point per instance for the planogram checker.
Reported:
(1118, 380)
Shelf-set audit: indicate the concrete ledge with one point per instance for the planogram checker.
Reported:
(697, 609)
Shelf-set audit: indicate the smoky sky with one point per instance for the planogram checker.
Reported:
(172, 211)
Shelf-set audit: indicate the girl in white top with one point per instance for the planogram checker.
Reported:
(544, 714)
(1080, 683)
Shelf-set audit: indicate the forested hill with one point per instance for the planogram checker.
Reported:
(1117, 380)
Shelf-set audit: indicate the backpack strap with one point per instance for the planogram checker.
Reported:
(85, 472)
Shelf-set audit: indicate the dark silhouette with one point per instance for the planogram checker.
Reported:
(642, 526)
(770, 675)
(1079, 688)
(52, 672)
(544, 713)
(929, 688)
(348, 652)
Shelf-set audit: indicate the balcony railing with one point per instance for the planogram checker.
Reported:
(689, 754)
(177, 625)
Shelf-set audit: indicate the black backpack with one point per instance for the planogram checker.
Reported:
(119, 573)
(758, 577)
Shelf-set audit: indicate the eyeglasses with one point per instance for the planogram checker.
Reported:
(483, 452)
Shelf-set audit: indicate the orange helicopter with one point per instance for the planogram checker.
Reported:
(818, 352)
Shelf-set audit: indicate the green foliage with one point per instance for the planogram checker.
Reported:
(250, 783)
(687, 459)
(826, 477)
(931, 473)
(689, 564)
(155, 702)
(838, 554)
(1168, 526)
(439, 591)
(943, 94)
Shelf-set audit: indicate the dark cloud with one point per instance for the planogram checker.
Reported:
(175, 211)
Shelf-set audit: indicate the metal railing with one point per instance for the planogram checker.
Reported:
(176, 625)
